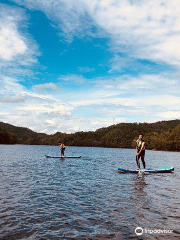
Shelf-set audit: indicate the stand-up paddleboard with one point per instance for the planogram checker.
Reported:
(64, 157)
(148, 170)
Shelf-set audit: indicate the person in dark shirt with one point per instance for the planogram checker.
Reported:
(140, 146)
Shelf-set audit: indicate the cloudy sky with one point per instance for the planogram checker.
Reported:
(75, 65)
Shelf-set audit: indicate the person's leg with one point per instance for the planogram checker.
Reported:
(137, 161)
(143, 161)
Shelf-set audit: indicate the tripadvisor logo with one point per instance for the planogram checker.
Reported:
(139, 231)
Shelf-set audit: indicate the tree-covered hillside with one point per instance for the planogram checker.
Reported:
(164, 135)
(24, 135)
(7, 138)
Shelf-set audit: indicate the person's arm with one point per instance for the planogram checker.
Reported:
(141, 148)
(136, 145)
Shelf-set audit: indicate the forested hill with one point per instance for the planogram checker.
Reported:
(23, 135)
(6, 137)
(164, 135)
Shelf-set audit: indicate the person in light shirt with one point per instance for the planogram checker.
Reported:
(62, 148)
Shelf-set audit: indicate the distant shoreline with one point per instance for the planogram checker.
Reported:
(159, 136)
(154, 150)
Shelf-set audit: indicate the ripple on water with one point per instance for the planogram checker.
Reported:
(85, 198)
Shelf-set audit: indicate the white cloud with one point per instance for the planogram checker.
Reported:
(141, 101)
(11, 99)
(11, 41)
(46, 86)
(170, 115)
(9, 85)
(116, 89)
(16, 46)
(96, 107)
(47, 107)
(66, 15)
(142, 29)
(29, 109)
(74, 124)
(11, 44)
(72, 78)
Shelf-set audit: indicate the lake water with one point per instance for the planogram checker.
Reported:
(43, 198)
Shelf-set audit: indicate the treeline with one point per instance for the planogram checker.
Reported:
(164, 135)
(7, 138)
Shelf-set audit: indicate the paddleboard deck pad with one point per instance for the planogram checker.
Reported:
(64, 157)
(148, 170)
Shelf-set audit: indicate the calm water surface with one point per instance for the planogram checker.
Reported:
(43, 198)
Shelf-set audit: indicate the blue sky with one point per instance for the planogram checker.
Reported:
(77, 65)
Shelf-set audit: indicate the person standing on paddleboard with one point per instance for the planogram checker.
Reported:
(140, 146)
(62, 148)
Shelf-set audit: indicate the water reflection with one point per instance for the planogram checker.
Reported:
(140, 184)
(140, 198)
